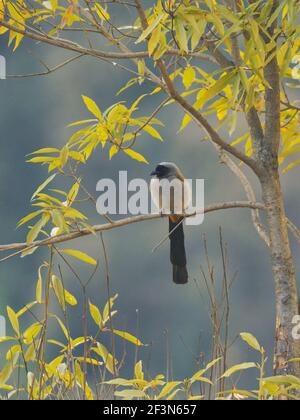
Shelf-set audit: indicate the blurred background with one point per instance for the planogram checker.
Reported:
(173, 320)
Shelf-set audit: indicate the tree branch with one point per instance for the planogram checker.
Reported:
(119, 223)
(73, 46)
(46, 72)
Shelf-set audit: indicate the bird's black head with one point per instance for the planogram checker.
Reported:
(160, 171)
(165, 170)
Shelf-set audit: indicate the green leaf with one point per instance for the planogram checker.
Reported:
(80, 256)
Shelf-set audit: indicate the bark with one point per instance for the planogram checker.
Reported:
(283, 268)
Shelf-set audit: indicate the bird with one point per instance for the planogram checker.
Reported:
(170, 172)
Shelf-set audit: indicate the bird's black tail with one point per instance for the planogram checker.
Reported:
(178, 256)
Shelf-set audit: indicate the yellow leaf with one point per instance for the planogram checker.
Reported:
(108, 306)
(153, 132)
(25, 309)
(206, 95)
(196, 397)
(51, 367)
(59, 290)
(73, 192)
(251, 341)
(39, 286)
(80, 256)
(6, 338)
(12, 351)
(30, 354)
(141, 70)
(92, 106)
(113, 151)
(13, 320)
(181, 34)
(173, 394)
(32, 332)
(70, 299)
(42, 186)
(101, 12)
(154, 40)
(35, 230)
(45, 150)
(130, 394)
(108, 359)
(150, 28)
(283, 380)
(138, 370)
(167, 389)
(41, 159)
(8, 369)
(129, 337)
(96, 315)
(135, 155)
(29, 217)
(63, 327)
(238, 368)
(89, 360)
(188, 77)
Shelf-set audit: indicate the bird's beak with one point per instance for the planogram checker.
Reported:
(153, 173)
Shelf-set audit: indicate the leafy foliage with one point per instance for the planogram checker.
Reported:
(66, 373)
(189, 27)
(183, 34)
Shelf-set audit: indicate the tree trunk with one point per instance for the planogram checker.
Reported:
(283, 268)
